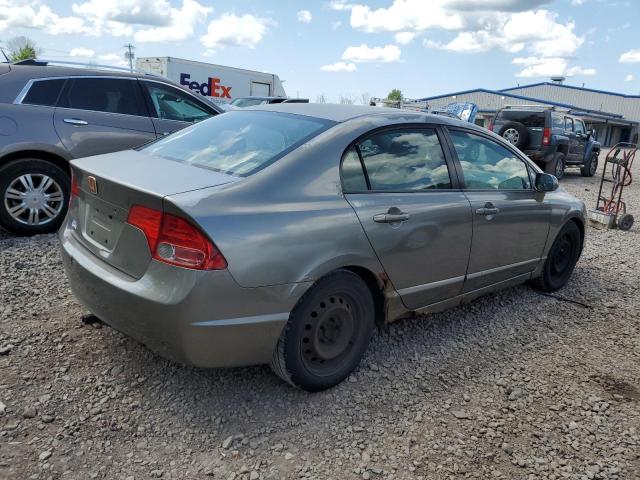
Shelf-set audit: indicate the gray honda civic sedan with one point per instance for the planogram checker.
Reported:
(284, 234)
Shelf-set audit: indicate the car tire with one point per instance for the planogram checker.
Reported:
(590, 167)
(556, 166)
(515, 133)
(327, 333)
(21, 196)
(561, 260)
(625, 222)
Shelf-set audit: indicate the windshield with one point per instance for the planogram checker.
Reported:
(248, 102)
(238, 142)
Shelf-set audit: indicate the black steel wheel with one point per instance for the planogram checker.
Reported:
(625, 222)
(561, 259)
(327, 333)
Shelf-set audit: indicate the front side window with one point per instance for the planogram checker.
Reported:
(568, 124)
(239, 142)
(171, 104)
(111, 95)
(486, 165)
(44, 92)
(406, 159)
(579, 126)
(558, 121)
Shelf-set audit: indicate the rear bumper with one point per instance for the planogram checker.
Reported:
(198, 318)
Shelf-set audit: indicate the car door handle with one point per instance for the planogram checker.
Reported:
(75, 121)
(487, 211)
(390, 217)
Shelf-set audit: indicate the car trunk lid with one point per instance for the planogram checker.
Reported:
(109, 185)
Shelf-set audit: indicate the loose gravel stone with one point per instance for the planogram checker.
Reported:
(515, 385)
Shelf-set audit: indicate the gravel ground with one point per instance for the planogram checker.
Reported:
(516, 385)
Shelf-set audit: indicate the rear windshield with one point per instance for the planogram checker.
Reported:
(248, 102)
(528, 119)
(238, 142)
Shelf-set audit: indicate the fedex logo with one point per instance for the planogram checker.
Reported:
(210, 89)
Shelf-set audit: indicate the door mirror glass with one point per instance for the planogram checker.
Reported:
(545, 182)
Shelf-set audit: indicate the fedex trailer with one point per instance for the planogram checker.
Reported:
(218, 83)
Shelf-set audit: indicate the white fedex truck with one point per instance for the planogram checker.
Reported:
(218, 83)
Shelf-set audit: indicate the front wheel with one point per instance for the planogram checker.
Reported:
(562, 259)
(556, 166)
(590, 167)
(327, 333)
(34, 196)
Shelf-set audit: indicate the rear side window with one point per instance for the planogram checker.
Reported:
(109, 95)
(353, 178)
(239, 142)
(44, 92)
(528, 119)
(406, 159)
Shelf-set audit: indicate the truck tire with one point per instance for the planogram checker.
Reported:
(515, 133)
(327, 333)
(34, 196)
(590, 167)
(556, 166)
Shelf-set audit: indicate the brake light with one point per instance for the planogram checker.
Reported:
(546, 136)
(175, 241)
(490, 127)
(75, 190)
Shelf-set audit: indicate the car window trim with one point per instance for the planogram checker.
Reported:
(527, 162)
(453, 177)
(152, 109)
(19, 100)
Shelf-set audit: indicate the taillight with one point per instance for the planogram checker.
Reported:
(546, 136)
(490, 127)
(75, 190)
(175, 241)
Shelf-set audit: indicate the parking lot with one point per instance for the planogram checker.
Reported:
(514, 385)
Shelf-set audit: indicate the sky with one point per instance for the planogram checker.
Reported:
(339, 48)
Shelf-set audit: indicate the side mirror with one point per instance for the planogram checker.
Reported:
(545, 182)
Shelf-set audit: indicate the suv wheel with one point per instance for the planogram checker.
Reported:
(327, 333)
(556, 166)
(515, 133)
(590, 167)
(34, 196)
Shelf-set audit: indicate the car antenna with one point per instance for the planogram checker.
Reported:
(5, 55)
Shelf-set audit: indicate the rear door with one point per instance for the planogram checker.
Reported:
(96, 115)
(172, 109)
(510, 218)
(405, 194)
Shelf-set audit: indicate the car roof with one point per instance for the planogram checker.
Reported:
(342, 113)
(43, 71)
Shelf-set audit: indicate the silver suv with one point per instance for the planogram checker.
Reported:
(52, 114)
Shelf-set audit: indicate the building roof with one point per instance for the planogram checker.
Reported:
(573, 87)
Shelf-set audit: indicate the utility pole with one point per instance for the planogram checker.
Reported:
(129, 55)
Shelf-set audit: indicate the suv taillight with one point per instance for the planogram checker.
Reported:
(175, 241)
(490, 127)
(546, 136)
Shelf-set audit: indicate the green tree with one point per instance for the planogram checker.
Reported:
(395, 95)
(22, 48)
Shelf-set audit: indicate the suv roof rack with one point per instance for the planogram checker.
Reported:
(538, 107)
(41, 62)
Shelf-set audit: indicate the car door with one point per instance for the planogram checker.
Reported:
(581, 139)
(405, 195)
(172, 109)
(97, 115)
(573, 139)
(510, 218)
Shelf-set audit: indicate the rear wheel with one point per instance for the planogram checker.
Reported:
(590, 167)
(556, 166)
(34, 195)
(327, 333)
(562, 259)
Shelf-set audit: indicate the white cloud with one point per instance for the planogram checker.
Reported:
(364, 53)
(180, 26)
(137, 12)
(632, 56)
(304, 16)
(404, 37)
(629, 78)
(340, 5)
(82, 52)
(339, 67)
(535, 66)
(577, 3)
(230, 30)
(35, 15)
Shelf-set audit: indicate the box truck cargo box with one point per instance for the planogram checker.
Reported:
(216, 82)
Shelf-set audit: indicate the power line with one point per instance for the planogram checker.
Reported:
(129, 55)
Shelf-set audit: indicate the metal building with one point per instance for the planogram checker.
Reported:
(615, 117)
